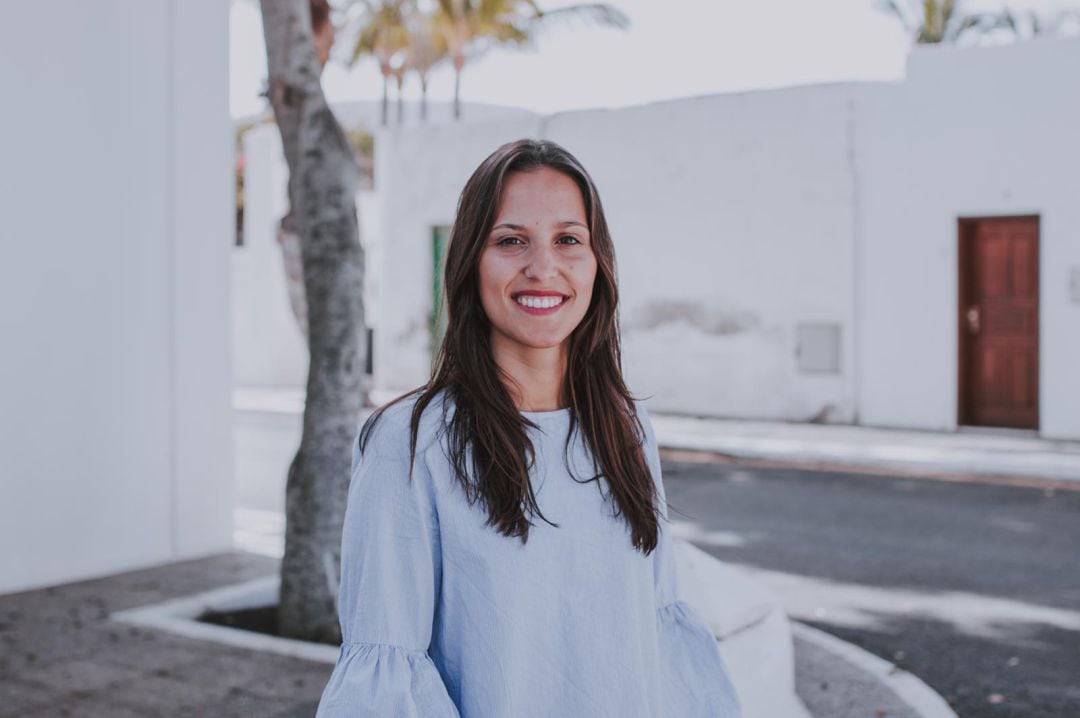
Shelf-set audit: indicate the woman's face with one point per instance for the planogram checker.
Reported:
(537, 268)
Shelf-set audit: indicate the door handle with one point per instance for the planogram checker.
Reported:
(972, 316)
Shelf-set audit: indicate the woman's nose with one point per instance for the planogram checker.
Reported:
(542, 263)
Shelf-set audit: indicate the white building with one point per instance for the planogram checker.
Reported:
(891, 254)
(115, 423)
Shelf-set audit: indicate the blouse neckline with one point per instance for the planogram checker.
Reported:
(546, 415)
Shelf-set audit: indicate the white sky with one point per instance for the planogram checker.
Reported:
(673, 48)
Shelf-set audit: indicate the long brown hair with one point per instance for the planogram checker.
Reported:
(485, 416)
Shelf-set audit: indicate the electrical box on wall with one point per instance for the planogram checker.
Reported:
(1074, 285)
(817, 347)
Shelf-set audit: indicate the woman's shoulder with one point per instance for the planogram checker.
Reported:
(388, 431)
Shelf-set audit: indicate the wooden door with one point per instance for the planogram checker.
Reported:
(999, 322)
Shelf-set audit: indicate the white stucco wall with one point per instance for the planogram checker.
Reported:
(268, 347)
(979, 133)
(116, 193)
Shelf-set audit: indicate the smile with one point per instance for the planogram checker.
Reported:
(539, 305)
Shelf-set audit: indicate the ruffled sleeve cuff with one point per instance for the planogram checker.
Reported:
(695, 675)
(376, 680)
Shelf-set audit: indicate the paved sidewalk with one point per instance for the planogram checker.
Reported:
(63, 656)
(966, 453)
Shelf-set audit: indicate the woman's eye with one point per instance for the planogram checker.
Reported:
(507, 241)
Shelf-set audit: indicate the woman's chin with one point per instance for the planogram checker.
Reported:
(541, 342)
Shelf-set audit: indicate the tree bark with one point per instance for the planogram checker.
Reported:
(323, 181)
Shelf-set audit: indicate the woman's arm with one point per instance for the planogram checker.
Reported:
(390, 571)
(695, 675)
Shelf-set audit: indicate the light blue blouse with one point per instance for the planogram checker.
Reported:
(444, 617)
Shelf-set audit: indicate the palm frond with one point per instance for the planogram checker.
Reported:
(598, 13)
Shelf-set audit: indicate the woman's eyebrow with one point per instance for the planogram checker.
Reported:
(521, 227)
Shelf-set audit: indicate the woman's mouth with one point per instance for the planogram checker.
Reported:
(539, 305)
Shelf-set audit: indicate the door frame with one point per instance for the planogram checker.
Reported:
(964, 259)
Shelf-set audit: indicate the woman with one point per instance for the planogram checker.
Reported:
(453, 601)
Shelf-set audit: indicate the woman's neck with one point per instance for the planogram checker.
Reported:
(537, 375)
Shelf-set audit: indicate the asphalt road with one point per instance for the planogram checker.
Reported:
(973, 587)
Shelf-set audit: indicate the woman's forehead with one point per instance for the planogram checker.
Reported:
(542, 192)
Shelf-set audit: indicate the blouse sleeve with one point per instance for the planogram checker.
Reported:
(390, 572)
(695, 674)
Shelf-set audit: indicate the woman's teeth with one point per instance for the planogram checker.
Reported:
(539, 302)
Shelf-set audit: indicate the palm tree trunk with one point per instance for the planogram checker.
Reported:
(459, 64)
(323, 180)
(400, 100)
(423, 98)
(385, 99)
(457, 94)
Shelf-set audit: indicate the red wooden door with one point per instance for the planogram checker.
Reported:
(999, 322)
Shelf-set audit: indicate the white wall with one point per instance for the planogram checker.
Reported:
(268, 347)
(970, 133)
(116, 193)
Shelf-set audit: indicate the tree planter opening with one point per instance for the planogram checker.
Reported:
(242, 615)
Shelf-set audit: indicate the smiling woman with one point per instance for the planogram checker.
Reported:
(526, 415)
(537, 262)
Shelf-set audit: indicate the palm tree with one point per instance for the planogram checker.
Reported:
(384, 34)
(427, 48)
(469, 27)
(398, 71)
(1033, 24)
(941, 21)
(323, 179)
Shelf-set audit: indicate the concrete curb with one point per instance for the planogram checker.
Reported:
(1005, 455)
(750, 624)
(922, 699)
(180, 616)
